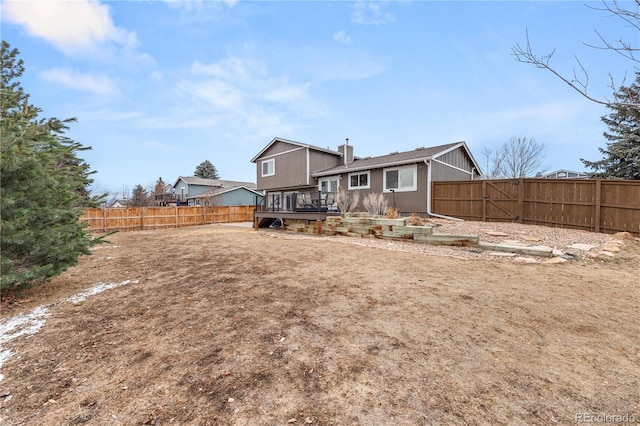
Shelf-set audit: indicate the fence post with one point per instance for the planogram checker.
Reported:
(484, 200)
(520, 201)
(104, 219)
(142, 218)
(176, 212)
(597, 202)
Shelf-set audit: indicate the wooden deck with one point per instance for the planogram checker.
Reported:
(266, 218)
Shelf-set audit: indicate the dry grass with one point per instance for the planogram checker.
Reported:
(231, 326)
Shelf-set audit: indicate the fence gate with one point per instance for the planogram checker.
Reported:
(500, 200)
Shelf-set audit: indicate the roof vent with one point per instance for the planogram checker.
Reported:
(420, 148)
(393, 153)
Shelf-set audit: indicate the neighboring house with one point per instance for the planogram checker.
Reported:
(233, 196)
(117, 204)
(164, 196)
(194, 191)
(565, 174)
(286, 167)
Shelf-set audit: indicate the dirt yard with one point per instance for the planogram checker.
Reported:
(231, 326)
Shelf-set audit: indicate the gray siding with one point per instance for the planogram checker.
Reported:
(291, 166)
(239, 197)
(457, 158)
(406, 202)
(442, 172)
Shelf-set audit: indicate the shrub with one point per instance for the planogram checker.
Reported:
(375, 204)
(415, 220)
(347, 201)
(393, 213)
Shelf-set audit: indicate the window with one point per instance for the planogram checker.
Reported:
(401, 179)
(329, 184)
(359, 180)
(269, 167)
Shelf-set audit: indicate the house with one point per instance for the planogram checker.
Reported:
(286, 169)
(565, 174)
(231, 196)
(196, 191)
(118, 203)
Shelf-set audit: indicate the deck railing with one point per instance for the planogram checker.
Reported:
(309, 201)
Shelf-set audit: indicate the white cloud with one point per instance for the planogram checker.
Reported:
(371, 13)
(227, 69)
(342, 37)
(100, 85)
(197, 4)
(71, 26)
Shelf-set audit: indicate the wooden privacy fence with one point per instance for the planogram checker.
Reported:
(137, 218)
(598, 205)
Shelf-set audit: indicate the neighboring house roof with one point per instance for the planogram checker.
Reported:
(193, 180)
(220, 191)
(396, 159)
(564, 173)
(300, 144)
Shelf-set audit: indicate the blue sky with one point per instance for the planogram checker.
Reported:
(158, 87)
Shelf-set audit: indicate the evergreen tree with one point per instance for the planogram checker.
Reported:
(206, 170)
(139, 197)
(43, 187)
(621, 157)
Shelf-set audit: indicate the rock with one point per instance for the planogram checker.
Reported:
(556, 260)
(498, 253)
(556, 252)
(496, 234)
(583, 247)
(613, 249)
(513, 243)
(525, 259)
(607, 253)
(529, 238)
(623, 235)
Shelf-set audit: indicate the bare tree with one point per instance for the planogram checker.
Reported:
(579, 81)
(518, 157)
(492, 163)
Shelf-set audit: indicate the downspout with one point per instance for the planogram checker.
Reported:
(428, 163)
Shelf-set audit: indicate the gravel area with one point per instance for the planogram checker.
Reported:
(604, 246)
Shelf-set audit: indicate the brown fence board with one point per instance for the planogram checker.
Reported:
(138, 218)
(598, 205)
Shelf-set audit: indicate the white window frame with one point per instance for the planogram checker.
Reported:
(271, 161)
(413, 168)
(367, 186)
(328, 180)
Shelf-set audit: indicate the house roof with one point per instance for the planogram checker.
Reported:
(194, 180)
(220, 191)
(566, 172)
(396, 159)
(300, 144)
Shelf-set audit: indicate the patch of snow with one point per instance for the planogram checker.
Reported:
(30, 323)
(20, 325)
(98, 288)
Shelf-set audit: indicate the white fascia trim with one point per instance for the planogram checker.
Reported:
(282, 153)
(453, 167)
(308, 166)
(374, 167)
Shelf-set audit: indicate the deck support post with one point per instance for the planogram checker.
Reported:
(318, 227)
